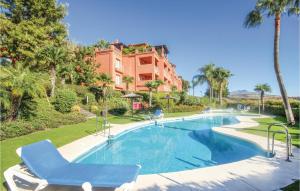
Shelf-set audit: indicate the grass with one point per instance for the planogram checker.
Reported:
(263, 126)
(60, 136)
(292, 187)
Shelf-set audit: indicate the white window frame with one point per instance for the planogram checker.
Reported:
(118, 80)
(118, 64)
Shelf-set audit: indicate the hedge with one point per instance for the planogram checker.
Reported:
(273, 107)
(46, 117)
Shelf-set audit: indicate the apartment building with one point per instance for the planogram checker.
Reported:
(141, 61)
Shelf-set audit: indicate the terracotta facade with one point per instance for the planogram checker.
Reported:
(142, 62)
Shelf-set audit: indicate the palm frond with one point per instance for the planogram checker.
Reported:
(294, 8)
(253, 19)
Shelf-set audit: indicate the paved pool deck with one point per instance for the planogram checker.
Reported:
(254, 174)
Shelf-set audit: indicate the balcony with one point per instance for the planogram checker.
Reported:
(167, 75)
(142, 82)
(144, 78)
(156, 70)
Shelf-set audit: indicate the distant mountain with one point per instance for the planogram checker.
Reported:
(253, 95)
(243, 94)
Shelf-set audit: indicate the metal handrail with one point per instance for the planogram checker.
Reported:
(288, 138)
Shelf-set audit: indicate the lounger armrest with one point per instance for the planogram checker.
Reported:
(16, 171)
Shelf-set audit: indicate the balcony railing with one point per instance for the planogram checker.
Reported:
(167, 74)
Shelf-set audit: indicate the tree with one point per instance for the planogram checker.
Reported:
(66, 71)
(275, 9)
(151, 86)
(84, 66)
(173, 89)
(29, 26)
(105, 81)
(53, 57)
(128, 80)
(102, 44)
(194, 84)
(18, 86)
(262, 88)
(185, 85)
(221, 76)
(206, 76)
(157, 83)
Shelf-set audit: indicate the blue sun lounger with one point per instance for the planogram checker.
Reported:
(49, 168)
(158, 114)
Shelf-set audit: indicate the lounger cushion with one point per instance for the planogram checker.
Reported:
(43, 160)
(97, 175)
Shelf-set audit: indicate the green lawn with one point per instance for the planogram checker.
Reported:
(61, 136)
(264, 123)
(292, 187)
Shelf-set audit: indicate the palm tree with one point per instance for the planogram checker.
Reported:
(53, 57)
(262, 88)
(105, 81)
(276, 9)
(194, 84)
(151, 85)
(221, 76)
(157, 84)
(128, 80)
(16, 84)
(173, 89)
(206, 75)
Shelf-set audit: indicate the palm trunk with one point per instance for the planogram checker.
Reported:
(193, 91)
(212, 94)
(15, 109)
(262, 96)
(52, 78)
(150, 98)
(286, 104)
(220, 94)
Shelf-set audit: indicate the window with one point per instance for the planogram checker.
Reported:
(118, 64)
(118, 80)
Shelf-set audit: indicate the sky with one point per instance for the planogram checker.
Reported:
(196, 33)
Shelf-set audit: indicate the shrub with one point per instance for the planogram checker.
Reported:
(274, 107)
(91, 98)
(80, 90)
(76, 108)
(94, 109)
(192, 100)
(65, 99)
(118, 106)
(186, 108)
(46, 117)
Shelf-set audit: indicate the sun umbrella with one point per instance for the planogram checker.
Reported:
(168, 97)
(131, 96)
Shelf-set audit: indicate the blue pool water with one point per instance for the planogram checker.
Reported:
(175, 146)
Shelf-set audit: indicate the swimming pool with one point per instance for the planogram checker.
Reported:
(174, 146)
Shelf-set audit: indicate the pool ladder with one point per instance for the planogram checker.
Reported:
(288, 139)
(102, 128)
